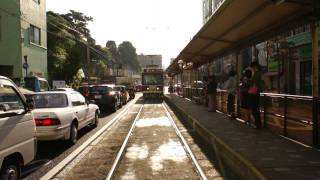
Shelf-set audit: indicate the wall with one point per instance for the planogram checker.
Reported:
(10, 51)
(35, 14)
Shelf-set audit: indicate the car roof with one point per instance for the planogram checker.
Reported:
(109, 85)
(3, 77)
(55, 92)
(64, 89)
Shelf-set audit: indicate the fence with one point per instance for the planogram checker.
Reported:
(296, 117)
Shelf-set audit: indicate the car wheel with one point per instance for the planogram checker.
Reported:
(114, 107)
(10, 170)
(96, 120)
(73, 134)
(120, 102)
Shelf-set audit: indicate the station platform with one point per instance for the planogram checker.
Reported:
(249, 153)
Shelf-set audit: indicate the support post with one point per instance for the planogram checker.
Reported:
(315, 83)
(238, 69)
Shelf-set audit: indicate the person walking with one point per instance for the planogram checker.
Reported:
(231, 87)
(255, 88)
(212, 92)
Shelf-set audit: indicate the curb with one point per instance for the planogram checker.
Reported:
(242, 167)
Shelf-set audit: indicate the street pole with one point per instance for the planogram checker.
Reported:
(315, 74)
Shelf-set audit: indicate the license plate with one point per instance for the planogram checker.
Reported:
(97, 96)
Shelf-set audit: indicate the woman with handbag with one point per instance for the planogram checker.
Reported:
(254, 91)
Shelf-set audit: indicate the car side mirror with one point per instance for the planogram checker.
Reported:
(30, 104)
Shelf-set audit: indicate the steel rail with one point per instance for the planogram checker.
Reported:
(185, 144)
(123, 147)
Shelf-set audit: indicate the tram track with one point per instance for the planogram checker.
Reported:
(182, 140)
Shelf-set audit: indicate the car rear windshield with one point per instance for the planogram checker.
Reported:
(50, 100)
(100, 89)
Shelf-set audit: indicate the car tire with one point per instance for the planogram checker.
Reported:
(95, 122)
(73, 134)
(114, 107)
(120, 102)
(11, 169)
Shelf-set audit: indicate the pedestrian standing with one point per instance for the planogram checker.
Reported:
(205, 92)
(212, 92)
(255, 88)
(244, 95)
(231, 87)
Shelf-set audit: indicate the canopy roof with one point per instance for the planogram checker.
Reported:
(239, 23)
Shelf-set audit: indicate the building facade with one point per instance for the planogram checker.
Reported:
(146, 60)
(23, 38)
(209, 7)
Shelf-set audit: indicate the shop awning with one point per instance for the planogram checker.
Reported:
(239, 23)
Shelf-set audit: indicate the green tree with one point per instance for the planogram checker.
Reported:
(78, 21)
(112, 47)
(128, 55)
(65, 49)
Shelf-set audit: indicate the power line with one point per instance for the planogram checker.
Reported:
(45, 30)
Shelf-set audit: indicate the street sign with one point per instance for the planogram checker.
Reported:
(25, 65)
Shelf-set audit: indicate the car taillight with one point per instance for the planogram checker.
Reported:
(111, 93)
(47, 122)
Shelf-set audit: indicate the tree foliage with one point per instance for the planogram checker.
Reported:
(128, 55)
(68, 40)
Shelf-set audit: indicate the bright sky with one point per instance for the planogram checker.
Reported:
(153, 26)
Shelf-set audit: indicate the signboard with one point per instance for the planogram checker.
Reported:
(299, 39)
(273, 64)
(58, 84)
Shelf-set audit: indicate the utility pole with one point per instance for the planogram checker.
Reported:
(88, 58)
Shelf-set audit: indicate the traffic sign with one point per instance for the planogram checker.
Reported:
(25, 65)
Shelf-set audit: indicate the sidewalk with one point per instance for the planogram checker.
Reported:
(250, 153)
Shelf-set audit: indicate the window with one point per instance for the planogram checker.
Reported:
(10, 101)
(77, 99)
(44, 85)
(37, 1)
(50, 100)
(35, 35)
(81, 99)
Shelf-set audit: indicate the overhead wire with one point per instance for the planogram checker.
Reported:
(46, 31)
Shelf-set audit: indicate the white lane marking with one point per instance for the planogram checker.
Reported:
(202, 174)
(50, 174)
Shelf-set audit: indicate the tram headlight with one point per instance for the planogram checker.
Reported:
(148, 88)
(157, 88)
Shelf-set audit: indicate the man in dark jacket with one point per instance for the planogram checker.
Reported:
(256, 83)
(212, 92)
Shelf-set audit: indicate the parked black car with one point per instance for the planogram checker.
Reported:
(106, 97)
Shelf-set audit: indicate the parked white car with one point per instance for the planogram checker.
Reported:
(17, 130)
(60, 114)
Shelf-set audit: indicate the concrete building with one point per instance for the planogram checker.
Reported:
(209, 7)
(23, 38)
(145, 60)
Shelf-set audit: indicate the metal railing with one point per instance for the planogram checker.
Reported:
(296, 117)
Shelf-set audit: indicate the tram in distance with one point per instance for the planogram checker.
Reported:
(152, 82)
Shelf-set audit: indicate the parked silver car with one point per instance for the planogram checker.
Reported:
(17, 130)
(60, 114)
